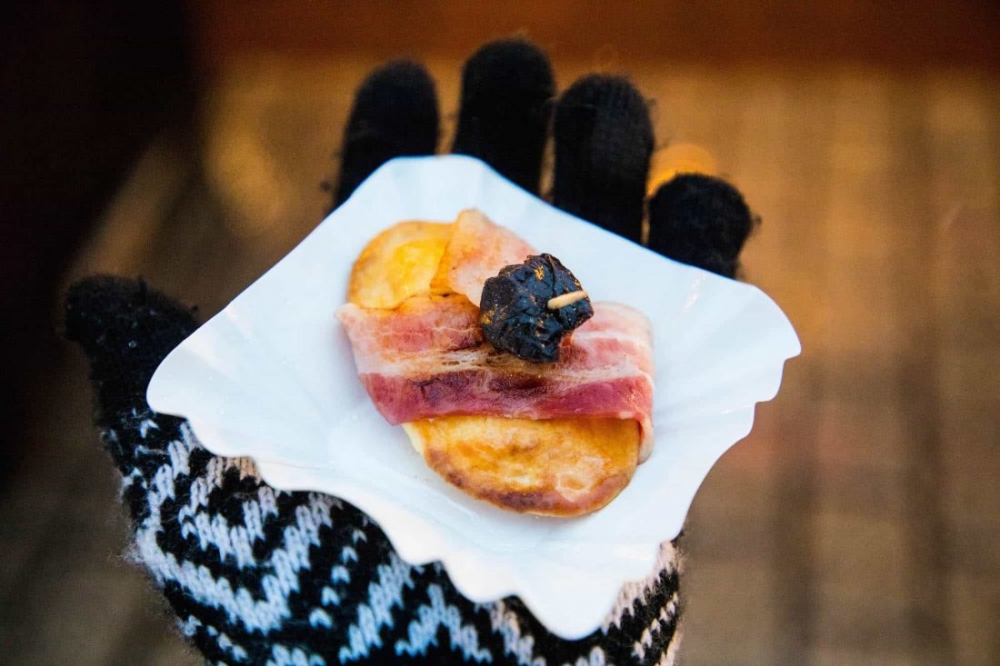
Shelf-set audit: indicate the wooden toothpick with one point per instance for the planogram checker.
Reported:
(566, 299)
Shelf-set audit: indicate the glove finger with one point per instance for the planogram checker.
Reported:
(702, 221)
(125, 329)
(395, 113)
(603, 145)
(507, 90)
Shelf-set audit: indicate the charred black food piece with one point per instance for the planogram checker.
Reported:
(529, 308)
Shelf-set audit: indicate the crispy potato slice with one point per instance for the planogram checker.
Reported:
(557, 467)
(398, 263)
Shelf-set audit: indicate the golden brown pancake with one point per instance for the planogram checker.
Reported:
(557, 467)
(398, 263)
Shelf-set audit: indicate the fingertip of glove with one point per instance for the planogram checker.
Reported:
(394, 113)
(607, 120)
(510, 72)
(611, 90)
(604, 142)
(507, 90)
(398, 91)
(702, 221)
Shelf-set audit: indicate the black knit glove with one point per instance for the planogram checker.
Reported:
(261, 576)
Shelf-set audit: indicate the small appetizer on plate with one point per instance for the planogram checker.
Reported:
(510, 383)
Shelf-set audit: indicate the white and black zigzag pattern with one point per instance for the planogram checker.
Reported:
(261, 576)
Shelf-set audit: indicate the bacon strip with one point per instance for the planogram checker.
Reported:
(428, 358)
(477, 250)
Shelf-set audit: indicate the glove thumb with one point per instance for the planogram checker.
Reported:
(125, 329)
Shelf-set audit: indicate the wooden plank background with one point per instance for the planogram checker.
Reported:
(860, 521)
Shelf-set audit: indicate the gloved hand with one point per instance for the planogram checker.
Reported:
(257, 575)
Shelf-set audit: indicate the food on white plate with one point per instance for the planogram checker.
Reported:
(550, 418)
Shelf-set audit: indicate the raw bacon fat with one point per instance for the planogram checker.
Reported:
(428, 358)
(478, 249)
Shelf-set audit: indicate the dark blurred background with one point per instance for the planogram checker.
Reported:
(189, 143)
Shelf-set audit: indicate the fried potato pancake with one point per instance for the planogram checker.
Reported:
(398, 263)
(557, 467)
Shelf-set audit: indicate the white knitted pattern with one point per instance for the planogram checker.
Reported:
(372, 616)
(423, 632)
(669, 658)
(595, 658)
(267, 609)
(213, 531)
(520, 647)
(666, 561)
(655, 627)
(282, 656)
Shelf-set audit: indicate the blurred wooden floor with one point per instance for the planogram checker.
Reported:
(858, 524)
